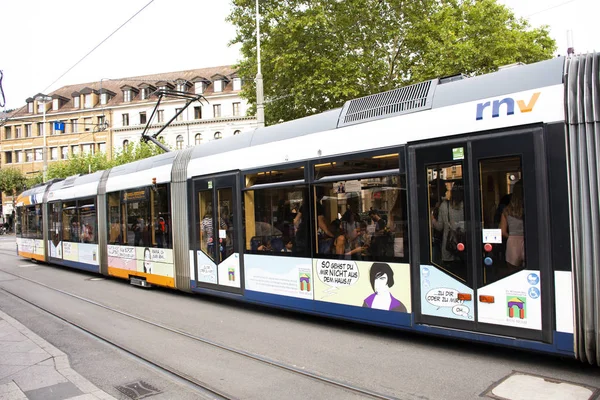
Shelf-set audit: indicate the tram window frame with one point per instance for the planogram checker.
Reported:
(84, 205)
(55, 221)
(342, 169)
(121, 223)
(72, 216)
(272, 186)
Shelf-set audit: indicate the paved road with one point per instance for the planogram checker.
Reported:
(404, 365)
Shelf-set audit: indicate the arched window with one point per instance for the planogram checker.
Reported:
(125, 143)
(218, 135)
(237, 132)
(197, 139)
(179, 144)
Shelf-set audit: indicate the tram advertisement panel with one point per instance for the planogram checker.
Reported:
(148, 260)
(444, 296)
(284, 276)
(379, 285)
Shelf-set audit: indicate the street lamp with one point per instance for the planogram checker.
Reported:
(44, 99)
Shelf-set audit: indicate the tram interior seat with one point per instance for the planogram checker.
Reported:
(276, 243)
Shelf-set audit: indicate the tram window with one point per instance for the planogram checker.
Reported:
(115, 226)
(503, 209)
(161, 215)
(32, 222)
(138, 225)
(447, 218)
(362, 218)
(55, 228)
(70, 222)
(87, 220)
(225, 216)
(276, 220)
(19, 221)
(206, 231)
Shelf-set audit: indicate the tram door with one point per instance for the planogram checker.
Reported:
(483, 259)
(216, 233)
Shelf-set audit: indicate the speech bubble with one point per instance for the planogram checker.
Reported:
(462, 311)
(337, 273)
(443, 297)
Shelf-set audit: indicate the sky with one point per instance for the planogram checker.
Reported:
(43, 39)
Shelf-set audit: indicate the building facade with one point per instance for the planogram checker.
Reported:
(105, 116)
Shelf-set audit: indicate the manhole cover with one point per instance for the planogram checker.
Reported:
(520, 386)
(138, 390)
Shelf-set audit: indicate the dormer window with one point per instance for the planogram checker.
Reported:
(144, 93)
(105, 96)
(127, 96)
(88, 101)
(129, 93)
(30, 107)
(76, 102)
(218, 86)
(199, 87)
(55, 104)
(237, 84)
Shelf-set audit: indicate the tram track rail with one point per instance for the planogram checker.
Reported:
(190, 381)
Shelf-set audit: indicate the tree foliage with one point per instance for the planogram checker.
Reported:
(317, 54)
(12, 180)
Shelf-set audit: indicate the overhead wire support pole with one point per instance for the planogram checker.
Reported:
(260, 108)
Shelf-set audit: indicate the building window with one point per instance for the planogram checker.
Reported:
(87, 148)
(30, 107)
(218, 135)
(54, 153)
(125, 143)
(144, 93)
(197, 139)
(8, 132)
(102, 147)
(76, 102)
(127, 96)
(218, 86)
(199, 87)
(179, 144)
(197, 112)
(39, 154)
(28, 130)
(74, 126)
(142, 118)
(19, 156)
(125, 119)
(8, 157)
(104, 98)
(55, 104)
(64, 152)
(101, 122)
(28, 155)
(88, 101)
(87, 122)
(180, 116)
(237, 84)
(75, 149)
(160, 115)
(18, 132)
(237, 132)
(40, 129)
(216, 110)
(236, 109)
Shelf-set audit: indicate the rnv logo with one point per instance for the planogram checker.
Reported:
(509, 102)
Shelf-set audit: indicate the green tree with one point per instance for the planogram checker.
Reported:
(317, 54)
(12, 181)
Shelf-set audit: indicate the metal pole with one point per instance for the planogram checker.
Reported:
(45, 150)
(260, 109)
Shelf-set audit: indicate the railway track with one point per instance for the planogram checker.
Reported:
(203, 388)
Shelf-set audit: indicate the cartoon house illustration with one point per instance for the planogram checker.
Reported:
(305, 282)
(231, 274)
(519, 304)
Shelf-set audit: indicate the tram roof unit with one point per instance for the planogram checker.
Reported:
(141, 173)
(75, 186)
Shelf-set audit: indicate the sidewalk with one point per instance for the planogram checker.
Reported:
(31, 368)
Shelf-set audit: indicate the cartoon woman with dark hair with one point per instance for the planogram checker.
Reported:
(382, 279)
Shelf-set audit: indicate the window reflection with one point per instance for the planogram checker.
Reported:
(503, 214)
(448, 248)
(361, 218)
